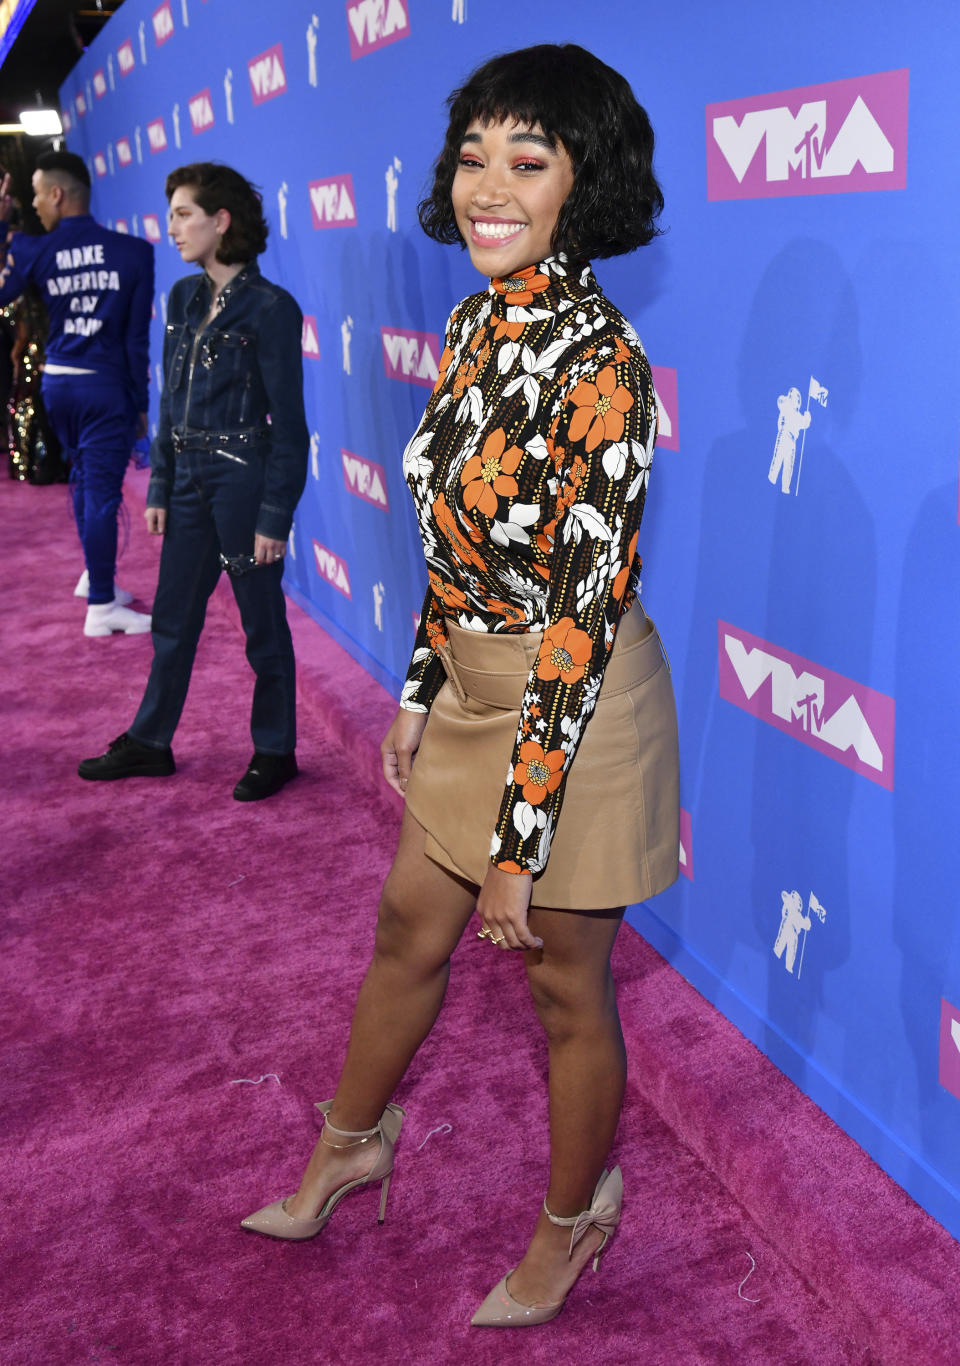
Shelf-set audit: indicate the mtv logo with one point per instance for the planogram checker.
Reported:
(267, 75)
(157, 135)
(125, 58)
(162, 23)
(151, 228)
(332, 568)
(686, 845)
(124, 153)
(80, 103)
(201, 111)
(835, 138)
(668, 419)
(410, 356)
(844, 720)
(374, 23)
(309, 341)
(332, 202)
(366, 479)
(100, 163)
(121, 225)
(99, 84)
(950, 1047)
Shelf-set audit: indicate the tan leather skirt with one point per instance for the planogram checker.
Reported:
(617, 838)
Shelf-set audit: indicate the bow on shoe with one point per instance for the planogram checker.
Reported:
(604, 1209)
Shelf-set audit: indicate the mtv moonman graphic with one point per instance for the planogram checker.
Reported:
(378, 592)
(143, 45)
(346, 332)
(228, 95)
(791, 424)
(793, 923)
(312, 49)
(183, 11)
(459, 11)
(110, 80)
(110, 158)
(314, 455)
(282, 206)
(176, 125)
(393, 180)
(138, 144)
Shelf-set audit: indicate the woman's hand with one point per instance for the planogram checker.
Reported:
(398, 747)
(503, 904)
(266, 550)
(156, 520)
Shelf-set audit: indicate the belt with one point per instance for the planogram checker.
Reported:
(208, 441)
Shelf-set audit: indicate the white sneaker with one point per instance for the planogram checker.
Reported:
(103, 618)
(82, 590)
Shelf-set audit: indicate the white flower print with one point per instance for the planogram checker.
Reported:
(415, 463)
(582, 517)
(521, 516)
(533, 368)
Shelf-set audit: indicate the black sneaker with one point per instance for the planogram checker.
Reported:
(265, 775)
(128, 758)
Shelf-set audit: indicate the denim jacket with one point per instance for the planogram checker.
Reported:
(235, 386)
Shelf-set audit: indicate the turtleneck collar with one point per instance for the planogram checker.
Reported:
(547, 285)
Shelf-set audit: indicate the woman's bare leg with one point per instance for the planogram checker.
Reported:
(423, 912)
(573, 991)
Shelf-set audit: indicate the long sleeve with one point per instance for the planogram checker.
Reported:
(138, 331)
(601, 442)
(425, 676)
(280, 358)
(15, 275)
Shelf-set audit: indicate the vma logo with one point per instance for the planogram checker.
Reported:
(100, 163)
(162, 23)
(410, 356)
(846, 721)
(374, 23)
(151, 228)
(157, 136)
(124, 152)
(366, 479)
(201, 111)
(309, 340)
(332, 202)
(333, 569)
(668, 418)
(267, 76)
(125, 58)
(99, 84)
(819, 139)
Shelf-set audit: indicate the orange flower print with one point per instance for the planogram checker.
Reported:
(623, 577)
(509, 866)
(502, 329)
(436, 635)
(538, 773)
(600, 405)
(459, 546)
(490, 473)
(546, 537)
(510, 614)
(464, 377)
(523, 287)
(574, 481)
(564, 652)
(452, 598)
(445, 360)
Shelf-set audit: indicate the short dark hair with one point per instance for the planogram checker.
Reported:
(66, 164)
(584, 104)
(216, 186)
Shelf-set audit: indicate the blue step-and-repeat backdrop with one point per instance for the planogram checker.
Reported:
(801, 537)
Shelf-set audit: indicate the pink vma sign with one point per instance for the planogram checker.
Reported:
(411, 356)
(950, 1047)
(374, 23)
(844, 720)
(668, 418)
(817, 139)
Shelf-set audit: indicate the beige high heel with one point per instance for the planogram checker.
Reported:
(275, 1222)
(501, 1310)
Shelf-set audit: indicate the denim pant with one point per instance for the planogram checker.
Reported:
(213, 508)
(95, 423)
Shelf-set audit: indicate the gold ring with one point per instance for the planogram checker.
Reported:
(484, 934)
(500, 940)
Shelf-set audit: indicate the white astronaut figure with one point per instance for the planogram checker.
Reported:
(282, 205)
(135, 225)
(143, 45)
(314, 454)
(792, 921)
(176, 125)
(292, 543)
(312, 49)
(393, 180)
(158, 372)
(789, 426)
(89, 96)
(183, 11)
(228, 93)
(378, 592)
(163, 307)
(110, 80)
(459, 12)
(138, 144)
(346, 332)
(110, 158)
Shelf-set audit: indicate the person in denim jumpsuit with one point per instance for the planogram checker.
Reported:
(228, 467)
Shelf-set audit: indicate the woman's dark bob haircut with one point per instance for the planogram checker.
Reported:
(589, 108)
(214, 187)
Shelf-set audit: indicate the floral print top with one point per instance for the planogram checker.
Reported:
(529, 472)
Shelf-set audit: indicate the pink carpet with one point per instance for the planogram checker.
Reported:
(164, 948)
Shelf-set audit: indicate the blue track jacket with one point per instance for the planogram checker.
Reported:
(98, 289)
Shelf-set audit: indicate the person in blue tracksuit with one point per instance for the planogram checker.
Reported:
(227, 468)
(98, 289)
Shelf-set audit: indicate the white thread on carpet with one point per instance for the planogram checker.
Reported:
(440, 1129)
(236, 880)
(753, 1267)
(255, 1081)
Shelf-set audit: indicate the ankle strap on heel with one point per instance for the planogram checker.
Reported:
(359, 1136)
(604, 1210)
